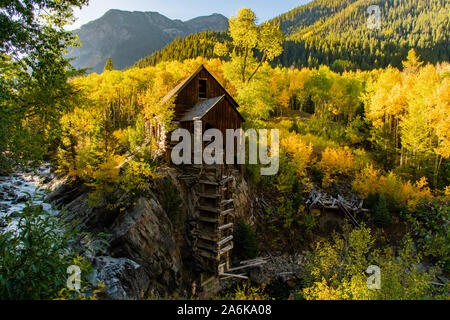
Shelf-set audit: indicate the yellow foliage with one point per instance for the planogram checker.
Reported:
(370, 180)
(334, 163)
(366, 181)
(105, 177)
(337, 270)
(298, 152)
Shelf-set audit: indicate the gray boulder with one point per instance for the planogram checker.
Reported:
(124, 278)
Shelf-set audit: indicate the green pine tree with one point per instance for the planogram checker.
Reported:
(109, 66)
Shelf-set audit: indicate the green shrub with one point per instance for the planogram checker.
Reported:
(34, 259)
(430, 227)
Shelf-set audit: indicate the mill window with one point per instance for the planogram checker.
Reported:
(202, 88)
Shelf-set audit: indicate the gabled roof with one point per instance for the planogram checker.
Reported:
(201, 108)
(180, 86)
(176, 90)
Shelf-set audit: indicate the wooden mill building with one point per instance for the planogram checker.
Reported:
(201, 97)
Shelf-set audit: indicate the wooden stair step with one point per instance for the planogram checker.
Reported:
(207, 236)
(207, 254)
(207, 219)
(209, 209)
(209, 195)
(212, 248)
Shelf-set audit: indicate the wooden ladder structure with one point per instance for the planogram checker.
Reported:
(215, 213)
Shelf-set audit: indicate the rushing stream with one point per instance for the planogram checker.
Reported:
(16, 190)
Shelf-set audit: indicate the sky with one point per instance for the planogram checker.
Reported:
(187, 9)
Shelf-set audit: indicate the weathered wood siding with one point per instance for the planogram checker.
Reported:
(222, 116)
(188, 97)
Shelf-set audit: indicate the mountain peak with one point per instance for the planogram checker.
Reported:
(127, 36)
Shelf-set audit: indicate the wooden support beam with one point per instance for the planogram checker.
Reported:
(226, 202)
(254, 260)
(226, 180)
(260, 262)
(228, 211)
(225, 250)
(226, 226)
(229, 276)
(224, 241)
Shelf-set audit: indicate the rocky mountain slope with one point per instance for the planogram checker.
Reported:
(128, 36)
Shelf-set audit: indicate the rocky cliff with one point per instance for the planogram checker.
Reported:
(150, 252)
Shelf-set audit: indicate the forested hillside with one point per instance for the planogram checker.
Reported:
(335, 33)
(195, 45)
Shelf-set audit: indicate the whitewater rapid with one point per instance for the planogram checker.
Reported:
(20, 187)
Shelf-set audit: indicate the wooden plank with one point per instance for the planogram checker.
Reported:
(207, 219)
(261, 262)
(209, 209)
(226, 226)
(208, 247)
(207, 254)
(224, 241)
(229, 275)
(226, 202)
(207, 235)
(209, 195)
(208, 182)
(226, 180)
(225, 250)
(254, 260)
(222, 267)
(224, 213)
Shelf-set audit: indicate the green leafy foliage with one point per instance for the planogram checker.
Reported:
(34, 87)
(34, 259)
(432, 232)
